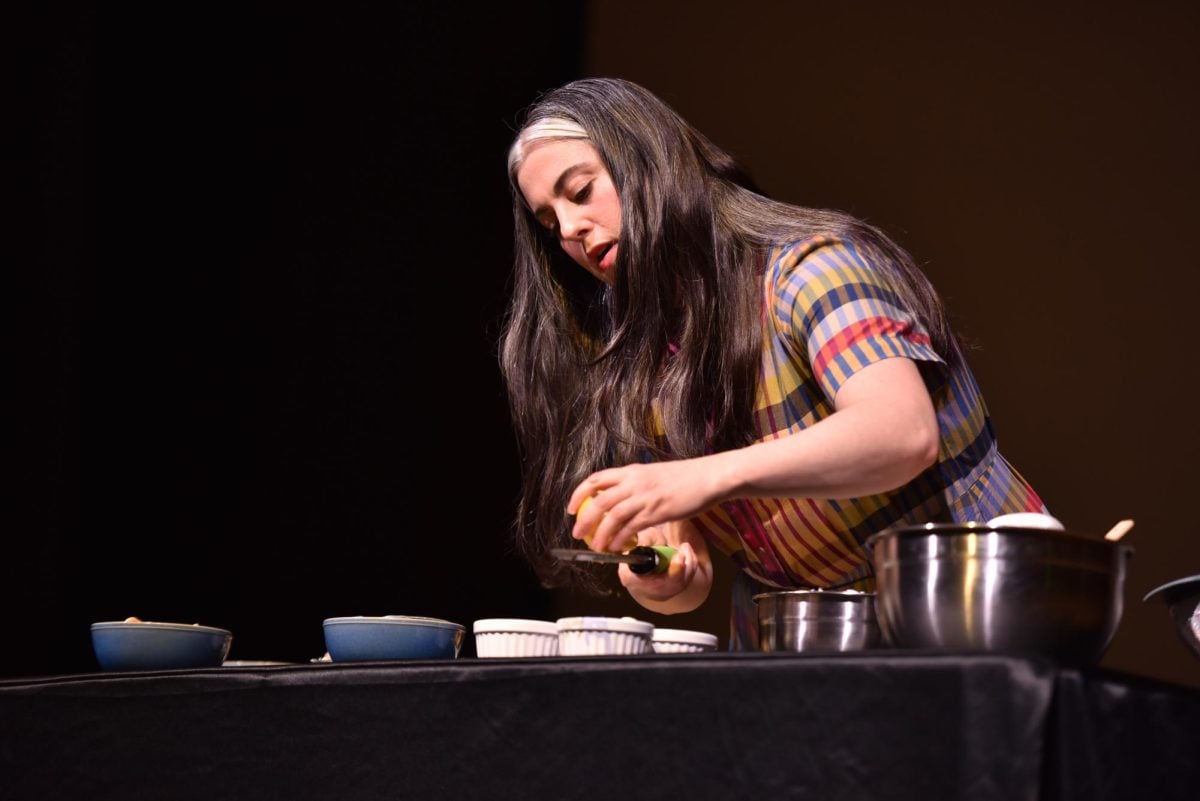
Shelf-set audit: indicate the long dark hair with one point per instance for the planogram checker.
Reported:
(679, 332)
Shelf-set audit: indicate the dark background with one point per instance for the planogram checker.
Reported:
(261, 258)
(268, 253)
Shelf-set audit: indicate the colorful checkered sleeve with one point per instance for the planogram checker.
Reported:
(841, 311)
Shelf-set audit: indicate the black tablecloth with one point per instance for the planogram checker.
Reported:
(719, 725)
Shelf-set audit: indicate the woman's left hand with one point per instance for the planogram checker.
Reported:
(629, 499)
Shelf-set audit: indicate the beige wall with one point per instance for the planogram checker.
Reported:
(1043, 166)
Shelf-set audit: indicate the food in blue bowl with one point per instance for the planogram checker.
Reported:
(358, 639)
(133, 644)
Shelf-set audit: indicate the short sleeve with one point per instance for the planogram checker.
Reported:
(833, 304)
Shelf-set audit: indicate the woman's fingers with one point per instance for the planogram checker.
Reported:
(594, 520)
(663, 586)
(611, 506)
(591, 486)
(683, 564)
(617, 529)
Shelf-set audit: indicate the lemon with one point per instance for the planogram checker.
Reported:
(587, 538)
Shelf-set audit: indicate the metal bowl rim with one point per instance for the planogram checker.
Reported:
(834, 595)
(953, 529)
(1175, 590)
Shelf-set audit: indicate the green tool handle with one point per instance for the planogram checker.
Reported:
(662, 558)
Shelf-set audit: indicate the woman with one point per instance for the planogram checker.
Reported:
(727, 371)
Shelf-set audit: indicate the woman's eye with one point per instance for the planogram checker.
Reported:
(584, 193)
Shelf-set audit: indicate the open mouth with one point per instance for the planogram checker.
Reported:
(603, 259)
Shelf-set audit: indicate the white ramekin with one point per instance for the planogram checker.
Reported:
(682, 641)
(515, 637)
(600, 636)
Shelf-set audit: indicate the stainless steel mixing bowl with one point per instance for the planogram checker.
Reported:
(1182, 597)
(816, 620)
(977, 588)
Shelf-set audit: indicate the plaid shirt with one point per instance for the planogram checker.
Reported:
(828, 314)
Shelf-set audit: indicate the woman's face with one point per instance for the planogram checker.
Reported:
(571, 193)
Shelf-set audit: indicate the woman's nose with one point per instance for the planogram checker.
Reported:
(572, 226)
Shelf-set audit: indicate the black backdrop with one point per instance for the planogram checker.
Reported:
(262, 258)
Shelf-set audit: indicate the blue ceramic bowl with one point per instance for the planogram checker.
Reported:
(158, 646)
(358, 639)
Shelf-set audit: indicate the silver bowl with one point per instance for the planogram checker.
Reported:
(1182, 597)
(816, 620)
(974, 587)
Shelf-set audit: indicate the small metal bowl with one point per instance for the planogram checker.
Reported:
(816, 620)
(1182, 597)
(975, 587)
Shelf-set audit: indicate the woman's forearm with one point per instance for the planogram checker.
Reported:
(883, 433)
(882, 436)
